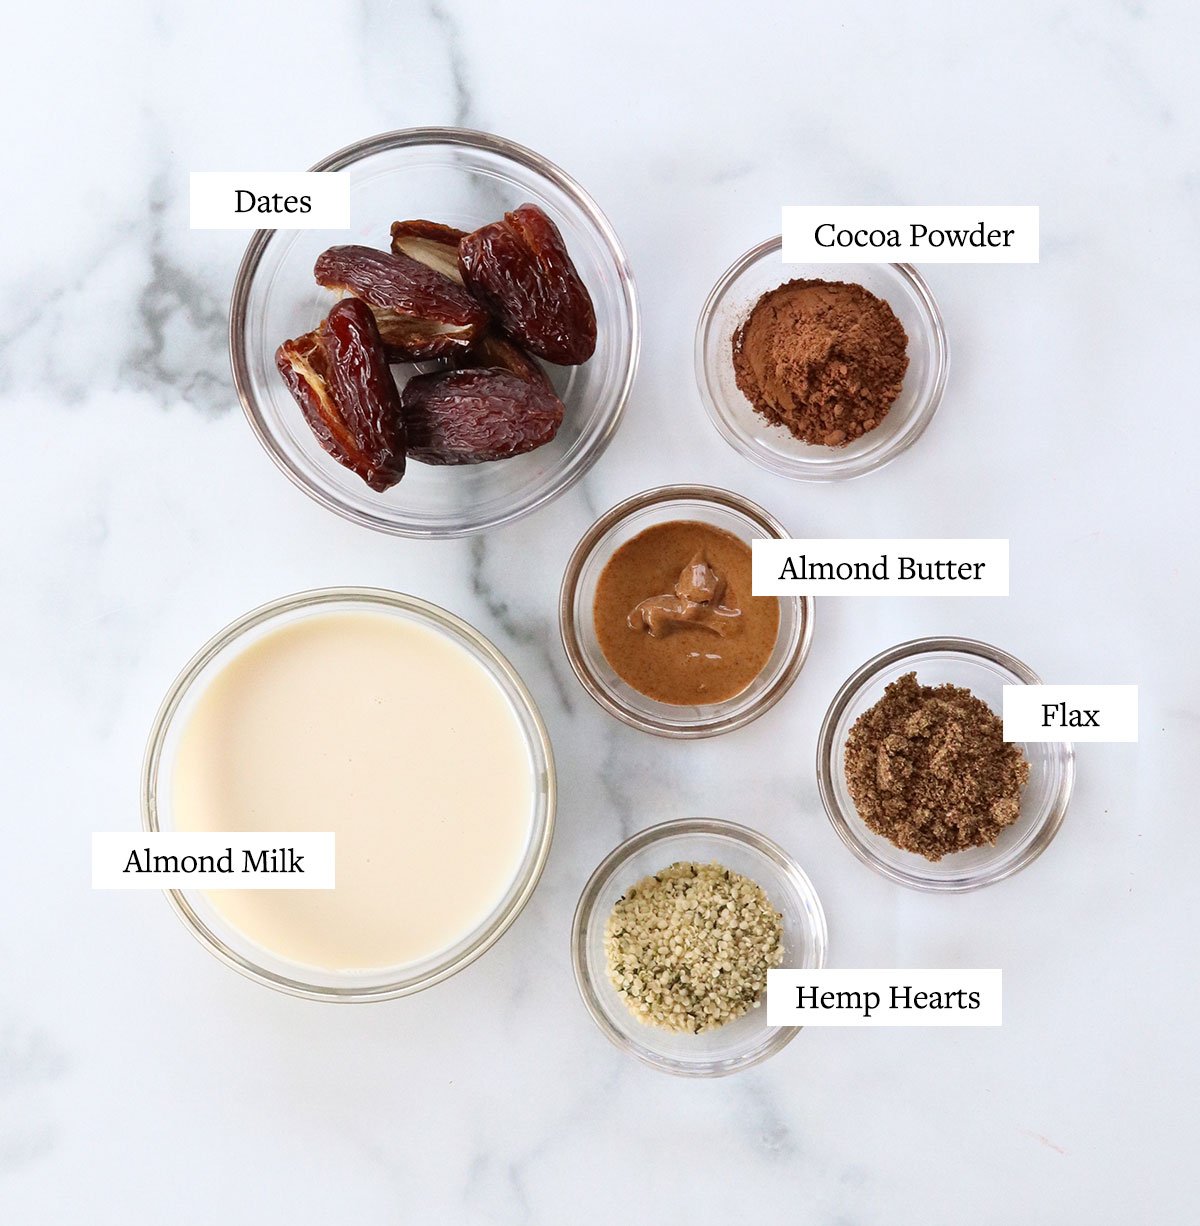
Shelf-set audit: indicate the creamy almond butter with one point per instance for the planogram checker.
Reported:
(675, 618)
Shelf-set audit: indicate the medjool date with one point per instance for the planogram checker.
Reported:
(339, 377)
(430, 242)
(492, 349)
(519, 268)
(474, 416)
(420, 313)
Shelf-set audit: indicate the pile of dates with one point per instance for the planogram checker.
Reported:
(487, 304)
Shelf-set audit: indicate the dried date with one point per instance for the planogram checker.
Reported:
(420, 313)
(473, 416)
(519, 268)
(430, 242)
(339, 376)
(493, 349)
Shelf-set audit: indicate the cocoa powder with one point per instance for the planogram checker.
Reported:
(929, 769)
(824, 359)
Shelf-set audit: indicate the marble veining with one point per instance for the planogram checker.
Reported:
(141, 515)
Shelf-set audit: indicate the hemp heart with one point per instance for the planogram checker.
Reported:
(689, 948)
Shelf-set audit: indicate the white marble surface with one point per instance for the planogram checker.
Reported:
(140, 1080)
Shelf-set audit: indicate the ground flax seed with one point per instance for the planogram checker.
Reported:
(929, 769)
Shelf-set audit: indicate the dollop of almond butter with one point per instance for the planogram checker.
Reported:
(700, 599)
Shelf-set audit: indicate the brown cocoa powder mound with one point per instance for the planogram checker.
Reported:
(928, 768)
(824, 359)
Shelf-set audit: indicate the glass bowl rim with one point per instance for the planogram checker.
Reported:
(624, 851)
(598, 691)
(400, 138)
(847, 824)
(851, 468)
(431, 615)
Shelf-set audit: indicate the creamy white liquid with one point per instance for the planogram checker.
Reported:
(389, 734)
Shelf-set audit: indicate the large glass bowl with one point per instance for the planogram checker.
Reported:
(463, 179)
(210, 926)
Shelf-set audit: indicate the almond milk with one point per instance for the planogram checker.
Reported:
(393, 736)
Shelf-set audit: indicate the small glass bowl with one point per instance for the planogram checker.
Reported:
(463, 179)
(773, 447)
(984, 670)
(210, 927)
(724, 510)
(746, 1040)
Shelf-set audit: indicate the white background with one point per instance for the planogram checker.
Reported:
(983, 562)
(214, 199)
(1010, 233)
(141, 1080)
(897, 996)
(1114, 708)
(315, 857)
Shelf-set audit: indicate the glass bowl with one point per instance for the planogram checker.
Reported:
(464, 179)
(218, 934)
(669, 502)
(746, 1040)
(773, 447)
(984, 670)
